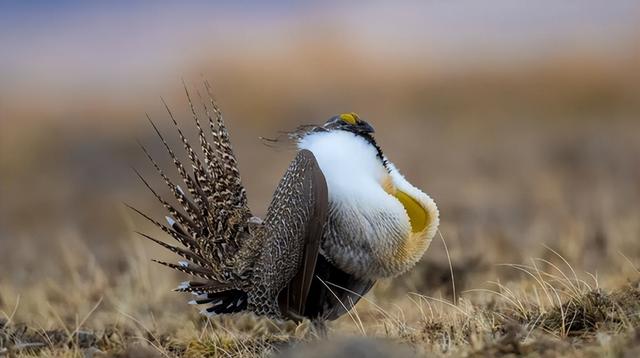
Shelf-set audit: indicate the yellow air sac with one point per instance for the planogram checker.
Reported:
(418, 216)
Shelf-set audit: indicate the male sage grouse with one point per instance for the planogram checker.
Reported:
(341, 217)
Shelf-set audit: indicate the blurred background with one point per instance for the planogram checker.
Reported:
(520, 118)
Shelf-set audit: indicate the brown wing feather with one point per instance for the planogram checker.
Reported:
(293, 298)
(292, 227)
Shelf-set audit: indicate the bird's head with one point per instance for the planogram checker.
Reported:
(349, 122)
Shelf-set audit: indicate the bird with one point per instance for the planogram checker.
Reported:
(341, 217)
(239, 262)
(379, 225)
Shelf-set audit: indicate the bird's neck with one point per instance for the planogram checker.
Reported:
(369, 138)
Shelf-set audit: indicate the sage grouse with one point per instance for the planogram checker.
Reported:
(341, 217)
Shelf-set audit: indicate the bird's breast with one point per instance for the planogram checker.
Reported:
(379, 224)
(378, 233)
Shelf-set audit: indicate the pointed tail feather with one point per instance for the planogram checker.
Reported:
(229, 301)
(181, 237)
(225, 152)
(207, 150)
(184, 221)
(210, 221)
(187, 205)
(190, 269)
(200, 173)
(198, 288)
(179, 251)
(194, 190)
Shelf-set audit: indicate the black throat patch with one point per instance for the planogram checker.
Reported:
(379, 154)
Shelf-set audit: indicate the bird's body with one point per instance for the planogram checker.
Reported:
(379, 224)
(341, 218)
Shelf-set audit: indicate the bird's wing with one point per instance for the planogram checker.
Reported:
(295, 220)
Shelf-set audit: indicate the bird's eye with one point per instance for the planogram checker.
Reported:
(350, 118)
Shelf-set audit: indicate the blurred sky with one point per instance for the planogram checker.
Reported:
(58, 56)
(64, 44)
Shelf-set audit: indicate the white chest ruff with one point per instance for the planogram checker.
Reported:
(370, 232)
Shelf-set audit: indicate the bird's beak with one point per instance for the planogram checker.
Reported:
(365, 127)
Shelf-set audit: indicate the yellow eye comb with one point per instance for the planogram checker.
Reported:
(350, 118)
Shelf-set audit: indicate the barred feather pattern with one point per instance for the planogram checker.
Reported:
(230, 172)
(208, 222)
(238, 261)
(286, 222)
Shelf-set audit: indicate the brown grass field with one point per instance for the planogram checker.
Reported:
(535, 169)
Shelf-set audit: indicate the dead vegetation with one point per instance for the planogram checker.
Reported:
(550, 310)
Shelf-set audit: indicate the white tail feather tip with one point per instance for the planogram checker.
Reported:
(170, 220)
(183, 285)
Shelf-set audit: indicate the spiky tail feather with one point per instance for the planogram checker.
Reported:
(212, 215)
(217, 299)
(222, 302)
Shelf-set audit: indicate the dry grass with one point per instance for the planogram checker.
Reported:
(550, 309)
